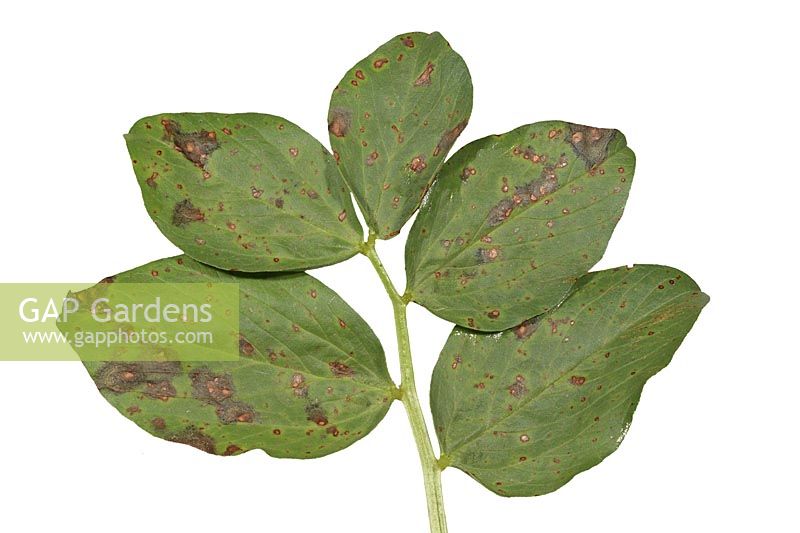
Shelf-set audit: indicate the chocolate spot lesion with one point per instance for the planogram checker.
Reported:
(151, 378)
(195, 146)
(195, 438)
(449, 138)
(524, 195)
(590, 144)
(339, 121)
(185, 212)
(526, 328)
(340, 370)
(217, 389)
(518, 388)
(315, 413)
(418, 164)
(425, 78)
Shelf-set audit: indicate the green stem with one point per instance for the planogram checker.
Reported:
(431, 469)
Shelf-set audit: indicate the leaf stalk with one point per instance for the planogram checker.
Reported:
(431, 468)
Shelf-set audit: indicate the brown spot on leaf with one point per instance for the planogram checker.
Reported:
(231, 411)
(371, 159)
(316, 414)
(126, 377)
(333, 430)
(518, 388)
(232, 450)
(159, 423)
(590, 144)
(378, 63)
(425, 77)
(184, 213)
(133, 409)
(484, 255)
(151, 181)
(449, 138)
(163, 390)
(342, 216)
(298, 384)
(340, 369)
(408, 41)
(526, 329)
(195, 146)
(196, 438)
(418, 164)
(494, 313)
(339, 122)
(577, 380)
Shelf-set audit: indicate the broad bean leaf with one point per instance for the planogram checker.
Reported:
(311, 378)
(524, 410)
(513, 220)
(392, 120)
(244, 192)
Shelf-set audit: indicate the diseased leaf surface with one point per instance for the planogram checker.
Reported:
(311, 378)
(392, 120)
(244, 192)
(524, 410)
(513, 220)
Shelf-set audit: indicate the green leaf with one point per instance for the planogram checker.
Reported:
(244, 192)
(513, 220)
(524, 410)
(392, 120)
(311, 378)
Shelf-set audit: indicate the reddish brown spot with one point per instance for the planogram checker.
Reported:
(232, 449)
(276, 431)
(162, 390)
(227, 131)
(298, 384)
(418, 164)
(577, 380)
(340, 370)
(293, 152)
(184, 213)
(245, 347)
(359, 74)
(449, 138)
(526, 329)
(194, 437)
(371, 159)
(518, 388)
(342, 323)
(316, 414)
(494, 313)
(195, 146)
(456, 362)
(151, 181)
(342, 216)
(332, 431)
(133, 409)
(159, 423)
(378, 63)
(313, 293)
(409, 42)
(339, 122)
(425, 77)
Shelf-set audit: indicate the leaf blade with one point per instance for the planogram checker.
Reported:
(514, 219)
(245, 192)
(524, 410)
(311, 379)
(391, 121)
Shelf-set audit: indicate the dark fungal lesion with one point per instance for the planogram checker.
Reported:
(590, 144)
(152, 378)
(185, 212)
(195, 146)
(339, 122)
(217, 389)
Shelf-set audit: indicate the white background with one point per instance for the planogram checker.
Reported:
(707, 98)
